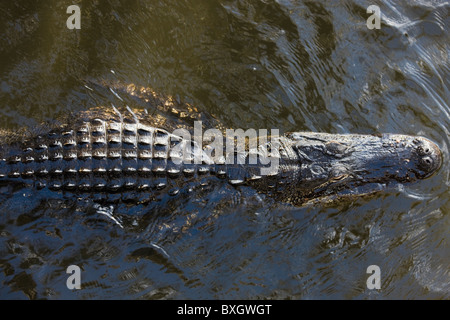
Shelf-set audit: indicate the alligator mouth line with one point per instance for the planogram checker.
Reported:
(351, 191)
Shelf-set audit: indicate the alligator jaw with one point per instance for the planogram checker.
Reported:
(343, 164)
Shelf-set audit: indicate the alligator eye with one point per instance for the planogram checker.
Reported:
(335, 148)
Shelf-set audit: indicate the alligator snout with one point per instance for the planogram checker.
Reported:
(429, 157)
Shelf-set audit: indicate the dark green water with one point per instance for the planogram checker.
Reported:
(290, 65)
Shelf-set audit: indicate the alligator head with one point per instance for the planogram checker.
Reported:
(352, 164)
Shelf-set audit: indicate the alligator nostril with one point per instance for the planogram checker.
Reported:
(429, 157)
(426, 162)
(423, 151)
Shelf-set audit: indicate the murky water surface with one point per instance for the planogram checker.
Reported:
(291, 65)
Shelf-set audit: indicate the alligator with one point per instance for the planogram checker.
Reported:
(112, 154)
